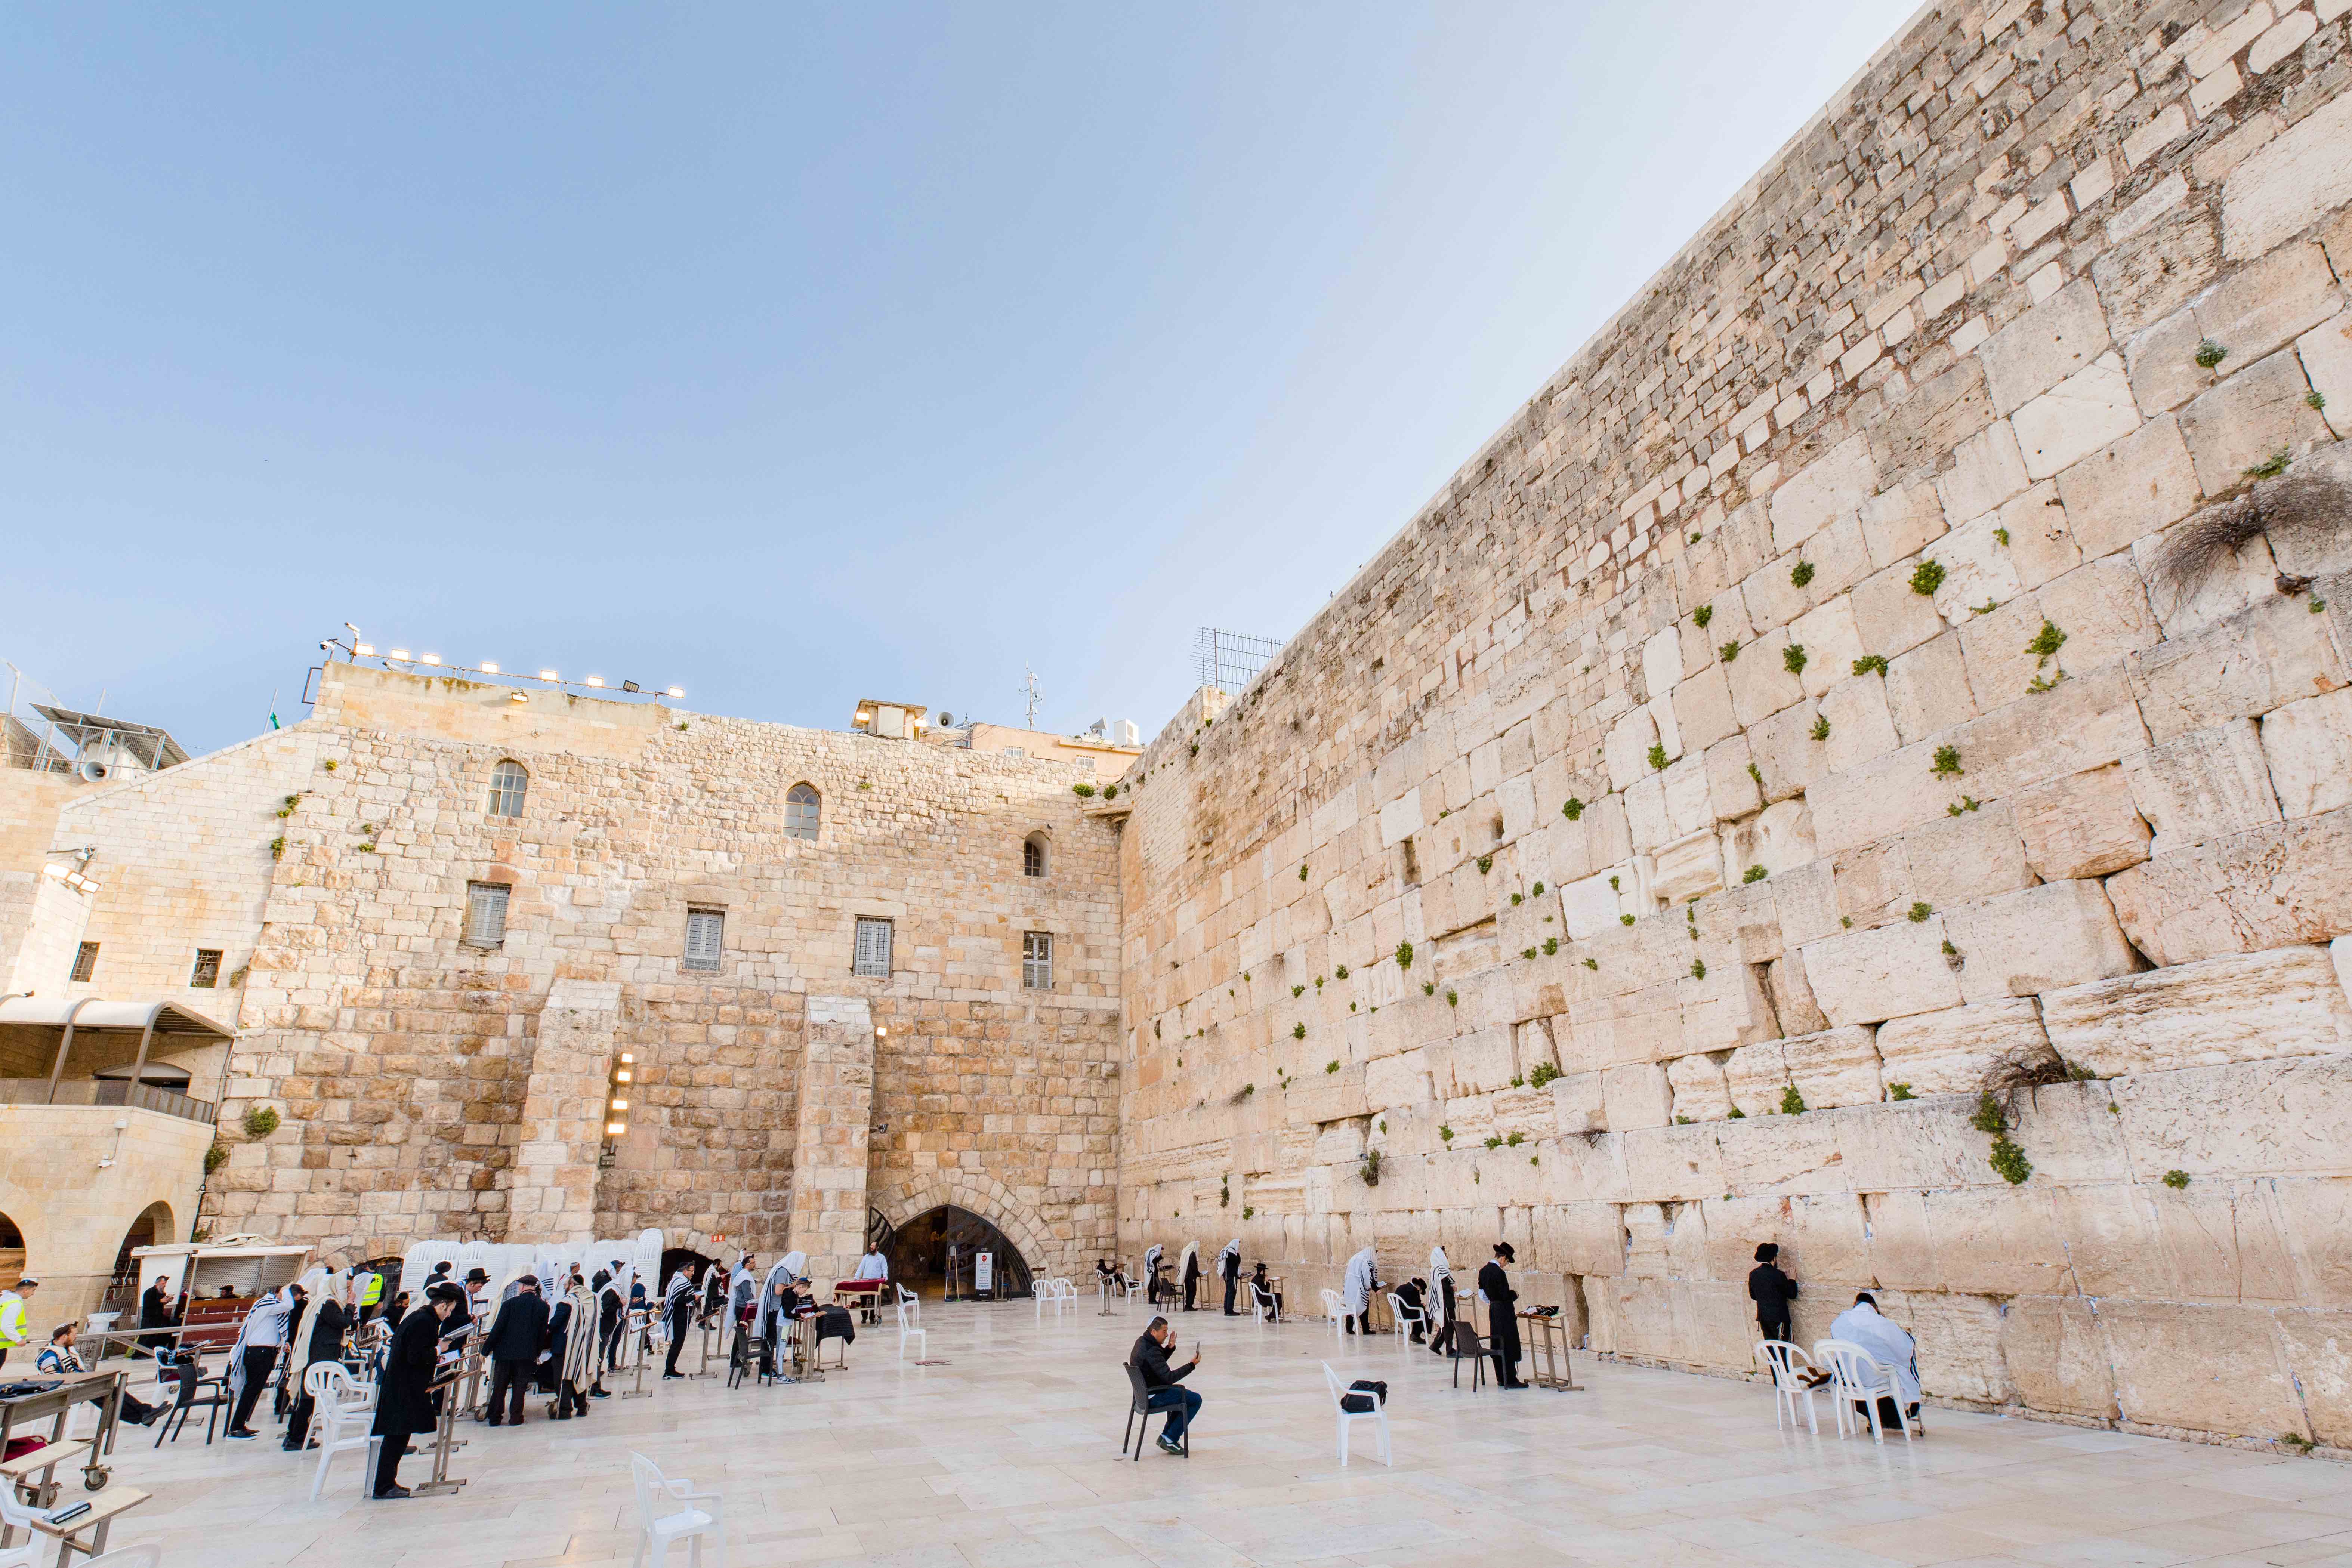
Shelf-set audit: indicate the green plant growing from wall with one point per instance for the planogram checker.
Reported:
(1444, 1133)
(1792, 1102)
(2209, 354)
(1657, 758)
(1429, 988)
(1754, 874)
(1625, 920)
(216, 1156)
(1756, 773)
(260, 1121)
(2272, 466)
(1372, 1169)
(2008, 1162)
(1404, 955)
(1453, 997)
(1792, 659)
(2176, 1180)
(1224, 1193)
(1571, 808)
(1869, 662)
(1494, 1141)
(1801, 573)
(1249, 1211)
(1927, 577)
(1735, 1114)
(1550, 945)
(329, 763)
(1698, 969)
(1110, 792)
(1821, 729)
(1918, 912)
(1965, 803)
(1613, 887)
(1342, 971)
(1527, 953)
(2002, 534)
(1302, 873)
(1537, 891)
(1948, 762)
(1485, 864)
(1514, 900)
(1515, 1139)
(278, 848)
(2314, 400)
(1296, 992)
(1297, 1031)
(1900, 1092)
(1700, 616)
(1517, 1081)
(1593, 963)
(1083, 791)
(1728, 652)
(1331, 1066)
(1543, 1074)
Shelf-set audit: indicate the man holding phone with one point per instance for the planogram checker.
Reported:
(1163, 1383)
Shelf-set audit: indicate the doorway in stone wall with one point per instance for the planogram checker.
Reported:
(675, 1258)
(151, 1229)
(11, 1251)
(917, 1251)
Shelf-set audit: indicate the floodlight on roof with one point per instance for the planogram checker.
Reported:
(429, 658)
(677, 691)
(366, 649)
(397, 653)
(489, 667)
(595, 681)
(548, 675)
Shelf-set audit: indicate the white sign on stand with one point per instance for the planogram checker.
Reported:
(984, 1272)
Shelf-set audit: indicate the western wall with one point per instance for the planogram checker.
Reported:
(1902, 655)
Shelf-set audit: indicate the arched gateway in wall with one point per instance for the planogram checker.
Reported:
(989, 1199)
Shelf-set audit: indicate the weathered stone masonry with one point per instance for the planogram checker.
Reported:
(1795, 705)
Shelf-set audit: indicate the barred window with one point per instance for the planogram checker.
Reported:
(1037, 960)
(1033, 855)
(509, 784)
(1014, 751)
(206, 975)
(872, 955)
(801, 809)
(706, 938)
(486, 914)
(1085, 764)
(85, 962)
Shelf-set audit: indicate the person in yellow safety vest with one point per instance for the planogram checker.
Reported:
(12, 1316)
(370, 1293)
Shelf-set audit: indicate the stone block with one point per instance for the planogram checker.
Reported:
(2308, 746)
(1700, 1092)
(2054, 1351)
(1987, 469)
(1952, 859)
(1867, 976)
(2285, 186)
(2041, 544)
(2254, 1007)
(2318, 1350)
(1978, 567)
(2163, 363)
(1754, 1077)
(1702, 704)
(1996, 1240)
(2272, 653)
(1578, 1103)
(1909, 442)
(2084, 825)
(1398, 1080)
(2248, 419)
(1809, 500)
(1898, 522)
(2076, 417)
(2270, 304)
(2326, 354)
(2161, 254)
(1833, 1067)
(1636, 1095)
(1761, 684)
(1888, 617)
(1927, 689)
(1861, 728)
(2284, 1117)
(2211, 1369)
(2040, 349)
(2130, 488)
(1949, 1052)
(1784, 751)
(2103, 608)
(2208, 784)
(1689, 867)
(2025, 942)
(2276, 886)
(1827, 633)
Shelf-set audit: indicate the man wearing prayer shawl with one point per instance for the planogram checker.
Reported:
(780, 1304)
(1355, 1291)
(1892, 1347)
(1502, 1317)
(259, 1344)
(1444, 1310)
(1190, 1269)
(1151, 1274)
(328, 1323)
(677, 1314)
(576, 1355)
(404, 1404)
(1229, 1268)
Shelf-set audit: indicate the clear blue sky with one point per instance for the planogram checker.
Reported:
(797, 355)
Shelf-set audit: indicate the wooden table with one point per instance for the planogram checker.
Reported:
(1547, 1350)
(102, 1388)
(93, 1524)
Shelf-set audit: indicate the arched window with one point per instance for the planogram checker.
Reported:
(1033, 860)
(509, 784)
(801, 809)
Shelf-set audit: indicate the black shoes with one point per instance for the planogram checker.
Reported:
(389, 1493)
(240, 1433)
(1170, 1446)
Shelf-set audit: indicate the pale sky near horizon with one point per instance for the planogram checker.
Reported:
(795, 356)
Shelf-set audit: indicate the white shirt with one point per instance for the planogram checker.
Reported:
(873, 1266)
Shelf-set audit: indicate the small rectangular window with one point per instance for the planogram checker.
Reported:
(1037, 960)
(486, 914)
(873, 950)
(86, 962)
(1014, 751)
(706, 938)
(206, 973)
(1085, 764)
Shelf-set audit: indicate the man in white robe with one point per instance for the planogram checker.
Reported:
(1441, 1301)
(1892, 1346)
(1356, 1293)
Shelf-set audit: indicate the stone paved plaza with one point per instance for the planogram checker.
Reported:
(1004, 1457)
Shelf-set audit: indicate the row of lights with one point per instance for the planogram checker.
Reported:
(74, 879)
(488, 667)
(616, 1113)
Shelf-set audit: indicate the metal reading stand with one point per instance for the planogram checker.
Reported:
(446, 1441)
(710, 1325)
(639, 1321)
(1103, 1282)
(1547, 1339)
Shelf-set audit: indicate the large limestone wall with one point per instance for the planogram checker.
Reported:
(1712, 742)
(407, 1066)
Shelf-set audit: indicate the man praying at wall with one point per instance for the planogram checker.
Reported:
(1890, 1345)
(1502, 1317)
(1771, 1290)
(1229, 1270)
(1356, 1293)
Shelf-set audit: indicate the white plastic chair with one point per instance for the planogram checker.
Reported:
(667, 1512)
(1336, 1308)
(1043, 1289)
(16, 1516)
(1377, 1414)
(1406, 1319)
(1265, 1303)
(1856, 1374)
(343, 1412)
(910, 1314)
(1788, 1364)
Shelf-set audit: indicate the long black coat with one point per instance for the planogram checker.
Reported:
(326, 1325)
(1502, 1315)
(404, 1400)
(519, 1331)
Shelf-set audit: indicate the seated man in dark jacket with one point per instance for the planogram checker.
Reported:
(517, 1336)
(1150, 1358)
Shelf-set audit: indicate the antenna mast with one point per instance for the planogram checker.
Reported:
(1031, 689)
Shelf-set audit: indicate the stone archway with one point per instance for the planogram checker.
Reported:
(981, 1194)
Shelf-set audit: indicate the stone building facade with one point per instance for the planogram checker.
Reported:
(1904, 653)
(435, 1080)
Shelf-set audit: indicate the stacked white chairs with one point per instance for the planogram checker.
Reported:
(1790, 1366)
(910, 1324)
(672, 1511)
(1336, 1309)
(344, 1411)
(1856, 1374)
(1405, 1318)
(1377, 1414)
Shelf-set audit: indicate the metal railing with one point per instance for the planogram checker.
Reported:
(106, 1092)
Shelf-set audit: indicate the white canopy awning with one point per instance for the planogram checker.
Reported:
(89, 1014)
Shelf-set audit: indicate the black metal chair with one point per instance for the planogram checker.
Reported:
(1141, 1404)
(191, 1397)
(1463, 1346)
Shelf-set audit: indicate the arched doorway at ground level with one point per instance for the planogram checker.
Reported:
(920, 1256)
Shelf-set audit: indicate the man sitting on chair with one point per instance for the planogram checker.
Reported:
(1892, 1347)
(1161, 1382)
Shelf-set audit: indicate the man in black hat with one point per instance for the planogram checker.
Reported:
(404, 1403)
(1502, 1317)
(516, 1337)
(1771, 1290)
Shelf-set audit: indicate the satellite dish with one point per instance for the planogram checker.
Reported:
(91, 771)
